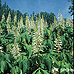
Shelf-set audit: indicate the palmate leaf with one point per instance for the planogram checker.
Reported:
(25, 63)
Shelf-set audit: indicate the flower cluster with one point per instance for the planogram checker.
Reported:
(15, 51)
(3, 18)
(58, 43)
(38, 36)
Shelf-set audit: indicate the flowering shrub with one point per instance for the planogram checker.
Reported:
(35, 48)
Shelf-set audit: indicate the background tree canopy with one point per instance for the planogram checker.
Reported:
(71, 7)
(4, 9)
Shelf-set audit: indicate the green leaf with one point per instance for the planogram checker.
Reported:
(3, 64)
(64, 55)
(24, 47)
(39, 72)
(51, 44)
(28, 38)
(24, 57)
(22, 35)
(42, 65)
(7, 57)
(29, 48)
(9, 64)
(25, 66)
(34, 72)
(21, 72)
(23, 53)
(54, 53)
(45, 72)
(55, 60)
(48, 63)
(13, 70)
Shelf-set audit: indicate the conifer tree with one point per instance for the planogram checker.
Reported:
(1, 10)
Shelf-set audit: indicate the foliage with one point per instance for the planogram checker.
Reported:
(71, 7)
(34, 48)
(4, 9)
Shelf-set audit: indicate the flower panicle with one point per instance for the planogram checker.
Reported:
(58, 43)
(15, 51)
(3, 18)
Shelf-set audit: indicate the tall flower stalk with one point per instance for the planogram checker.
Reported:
(8, 20)
(58, 43)
(28, 26)
(38, 36)
(61, 21)
(0, 30)
(15, 51)
(55, 22)
(67, 22)
(3, 18)
(21, 22)
(32, 23)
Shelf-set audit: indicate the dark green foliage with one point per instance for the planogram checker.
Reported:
(27, 62)
(49, 17)
(71, 7)
(40, 64)
(4, 9)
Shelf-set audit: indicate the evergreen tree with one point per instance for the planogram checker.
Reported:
(71, 7)
(4, 8)
(24, 18)
(47, 17)
(19, 14)
(1, 10)
(12, 14)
